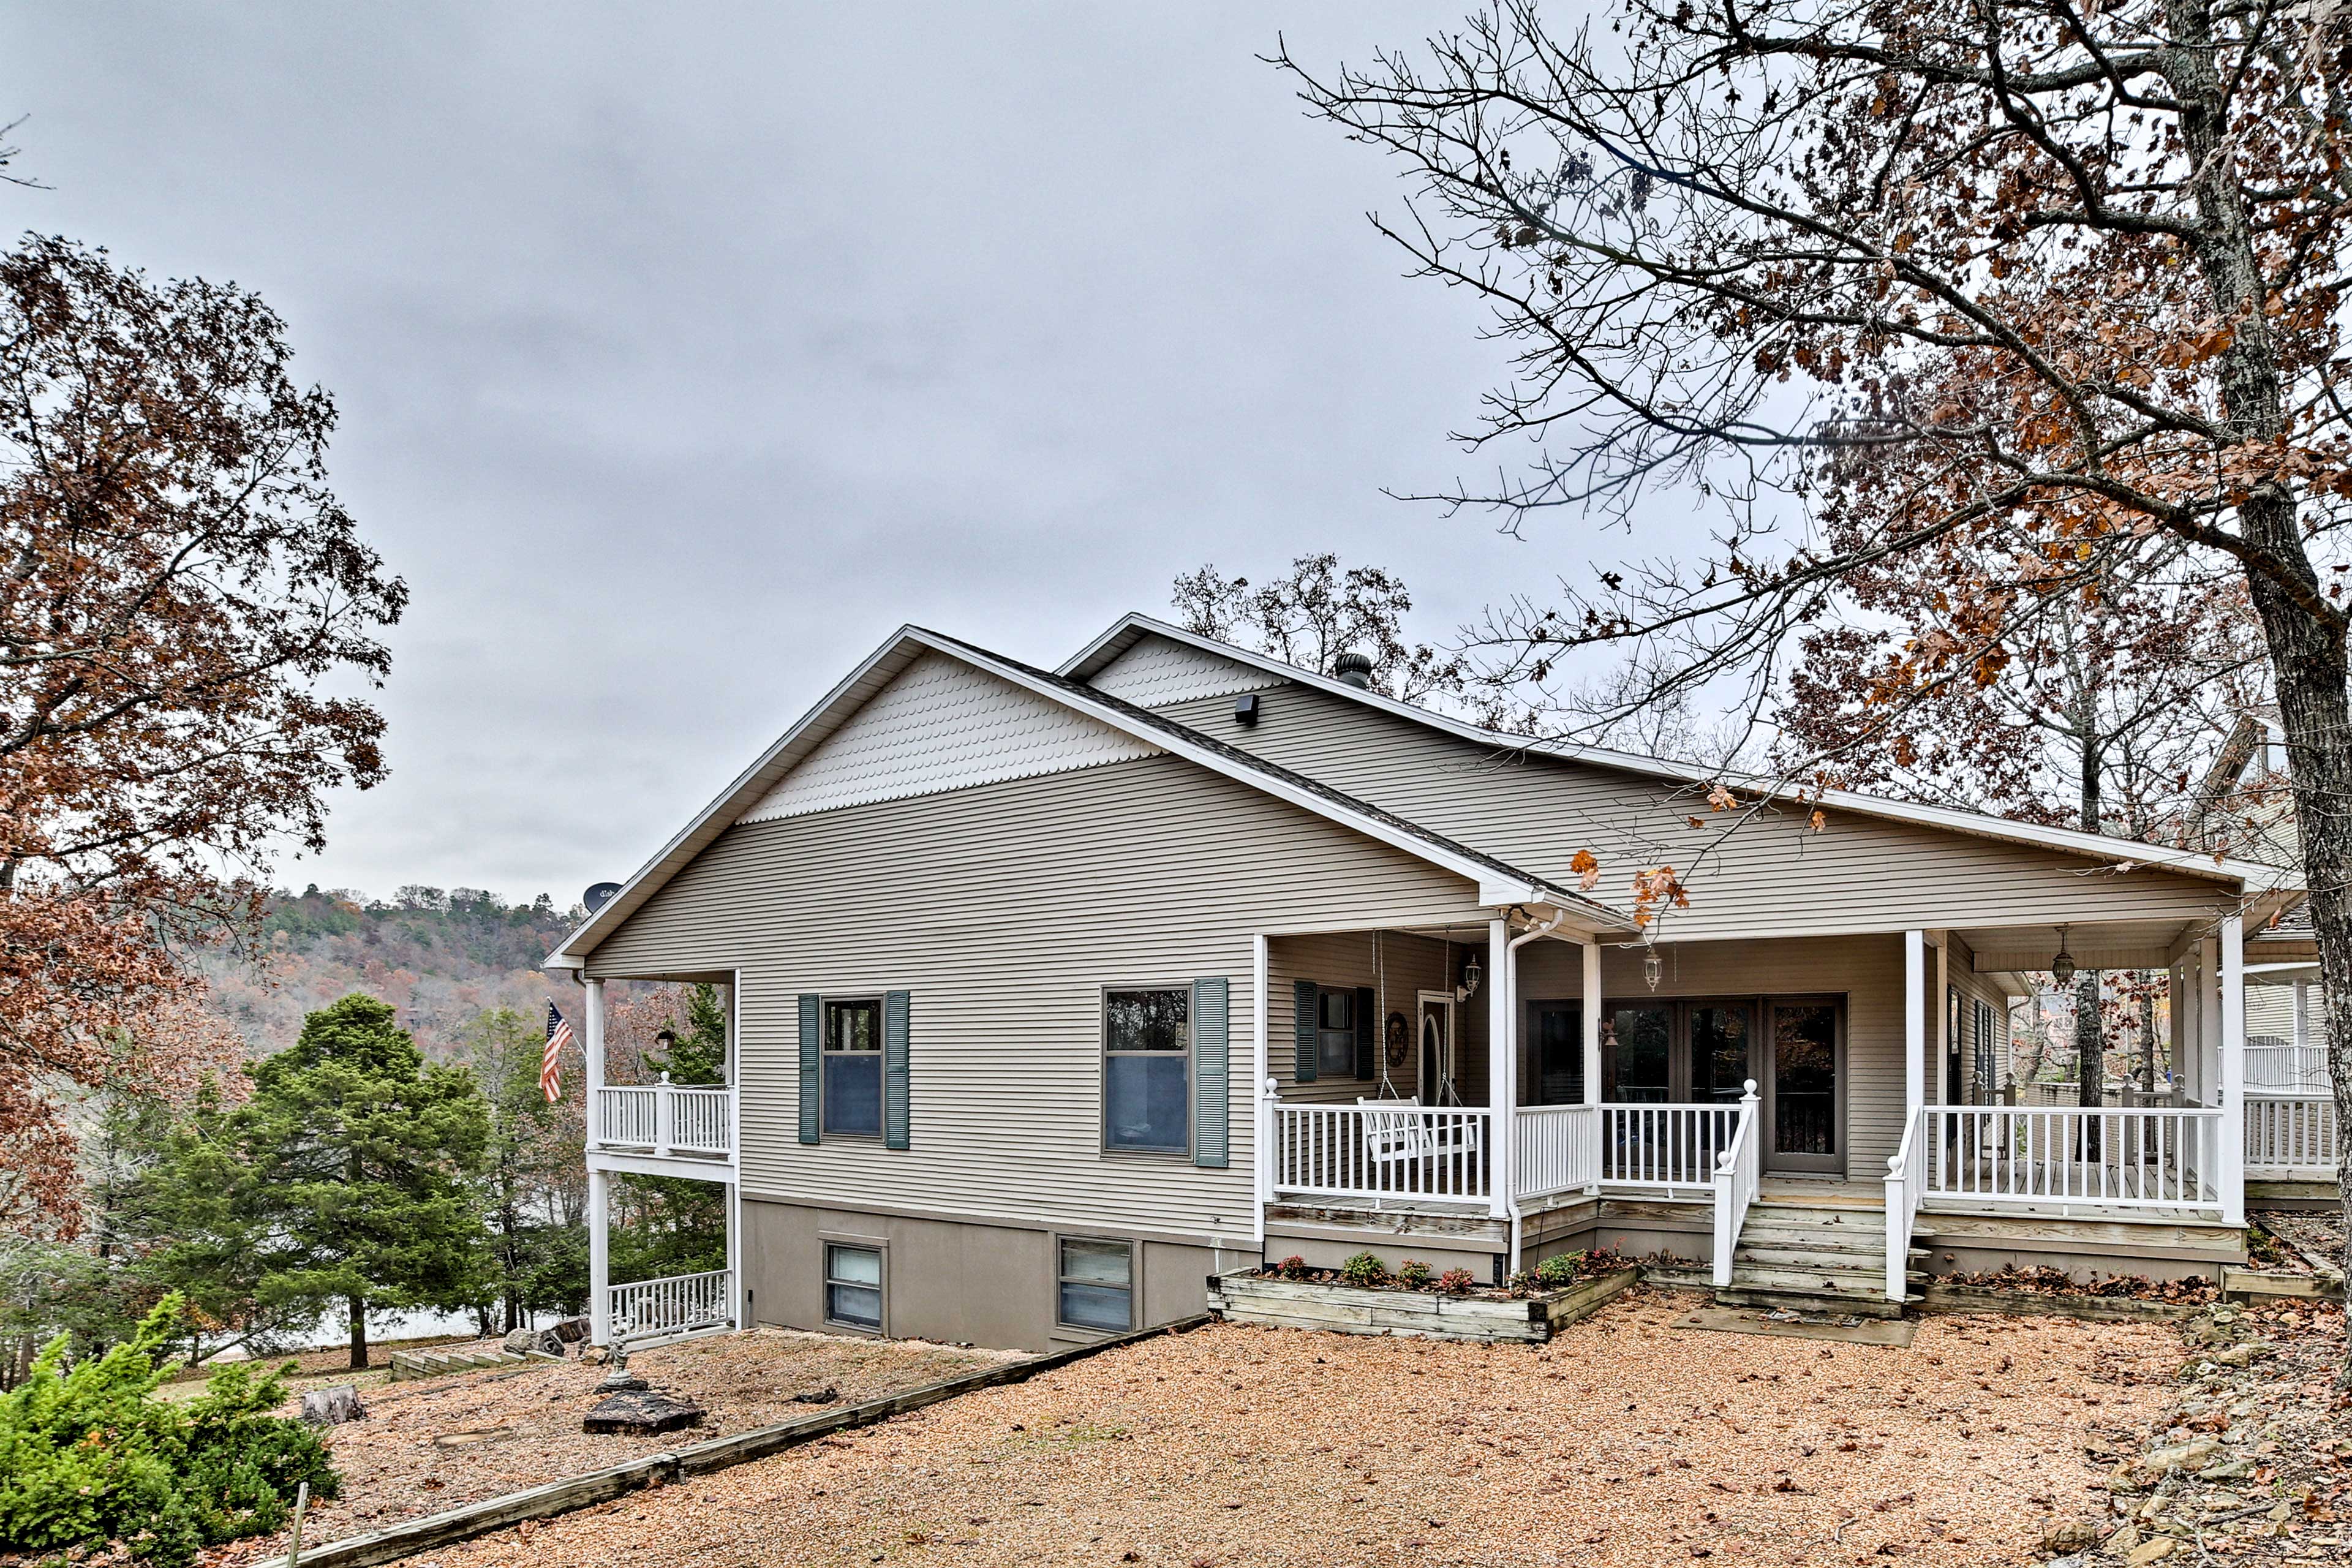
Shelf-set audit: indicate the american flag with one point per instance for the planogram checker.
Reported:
(558, 1034)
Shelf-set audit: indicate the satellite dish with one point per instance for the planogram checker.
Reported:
(599, 894)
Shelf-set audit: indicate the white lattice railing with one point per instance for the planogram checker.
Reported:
(668, 1309)
(666, 1119)
(1665, 1146)
(2291, 1135)
(2011, 1156)
(1380, 1149)
(1557, 1149)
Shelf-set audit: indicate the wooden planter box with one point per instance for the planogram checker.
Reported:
(1426, 1314)
(2025, 1303)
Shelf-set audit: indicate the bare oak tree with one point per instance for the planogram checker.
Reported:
(2055, 287)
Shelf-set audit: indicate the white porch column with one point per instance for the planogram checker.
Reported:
(592, 1047)
(599, 1311)
(1502, 1067)
(1592, 1021)
(2234, 1069)
(1914, 1025)
(1262, 1090)
(735, 1254)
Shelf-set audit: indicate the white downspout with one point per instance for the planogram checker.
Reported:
(1506, 1136)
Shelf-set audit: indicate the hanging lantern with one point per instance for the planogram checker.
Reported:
(1471, 975)
(1652, 969)
(2062, 968)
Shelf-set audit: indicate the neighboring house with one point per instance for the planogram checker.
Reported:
(1054, 993)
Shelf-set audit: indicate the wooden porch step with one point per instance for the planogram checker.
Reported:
(1773, 1253)
(1872, 1305)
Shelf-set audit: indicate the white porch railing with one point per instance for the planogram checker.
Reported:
(665, 1119)
(2286, 1070)
(1738, 1172)
(1382, 1149)
(1664, 1147)
(1557, 1149)
(1906, 1183)
(682, 1304)
(2140, 1158)
(2291, 1135)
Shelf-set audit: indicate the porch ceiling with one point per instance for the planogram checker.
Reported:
(2095, 944)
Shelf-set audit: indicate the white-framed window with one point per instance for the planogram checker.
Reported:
(853, 1065)
(1147, 1069)
(1335, 1032)
(853, 1285)
(1094, 1285)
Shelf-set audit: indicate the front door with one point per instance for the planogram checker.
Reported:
(1436, 1035)
(1804, 1085)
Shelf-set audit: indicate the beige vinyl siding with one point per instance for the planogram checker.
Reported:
(1868, 971)
(1402, 967)
(1974, 988)
(1774, 877)
(1005, 909)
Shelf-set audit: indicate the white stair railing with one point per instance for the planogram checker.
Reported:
(1737, 1172)
(1559, 1149)
(1903, 1187)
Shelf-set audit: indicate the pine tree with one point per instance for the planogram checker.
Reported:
(356, 1170)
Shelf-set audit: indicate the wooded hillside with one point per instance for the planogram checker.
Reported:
(440, 958)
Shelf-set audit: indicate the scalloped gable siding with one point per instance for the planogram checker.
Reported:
(1156, 672)
(1006, 909)
(1774, 877)
(943, 725)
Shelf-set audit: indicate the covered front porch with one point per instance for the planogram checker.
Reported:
(1517, 1089)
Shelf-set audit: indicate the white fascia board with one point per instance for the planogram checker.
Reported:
(2251, 874)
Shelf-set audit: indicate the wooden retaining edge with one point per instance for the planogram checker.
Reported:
(2022, 1304)
(2247, 1283)
(574, 1493)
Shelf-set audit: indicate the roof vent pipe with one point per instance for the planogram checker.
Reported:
(1353, 669)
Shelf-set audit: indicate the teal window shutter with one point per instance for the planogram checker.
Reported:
(812, 1065)
(1213, 1076)
(1303, 1030)
(895, 1007)
(1367, 1040)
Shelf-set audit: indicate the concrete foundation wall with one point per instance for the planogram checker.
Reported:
(961, 1281)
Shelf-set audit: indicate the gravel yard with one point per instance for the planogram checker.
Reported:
(431, 1444)
(1626, 1441)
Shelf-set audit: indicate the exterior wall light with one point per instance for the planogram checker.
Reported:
(1471, 975)
(2062, 968)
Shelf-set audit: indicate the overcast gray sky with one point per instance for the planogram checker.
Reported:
(682, 353)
